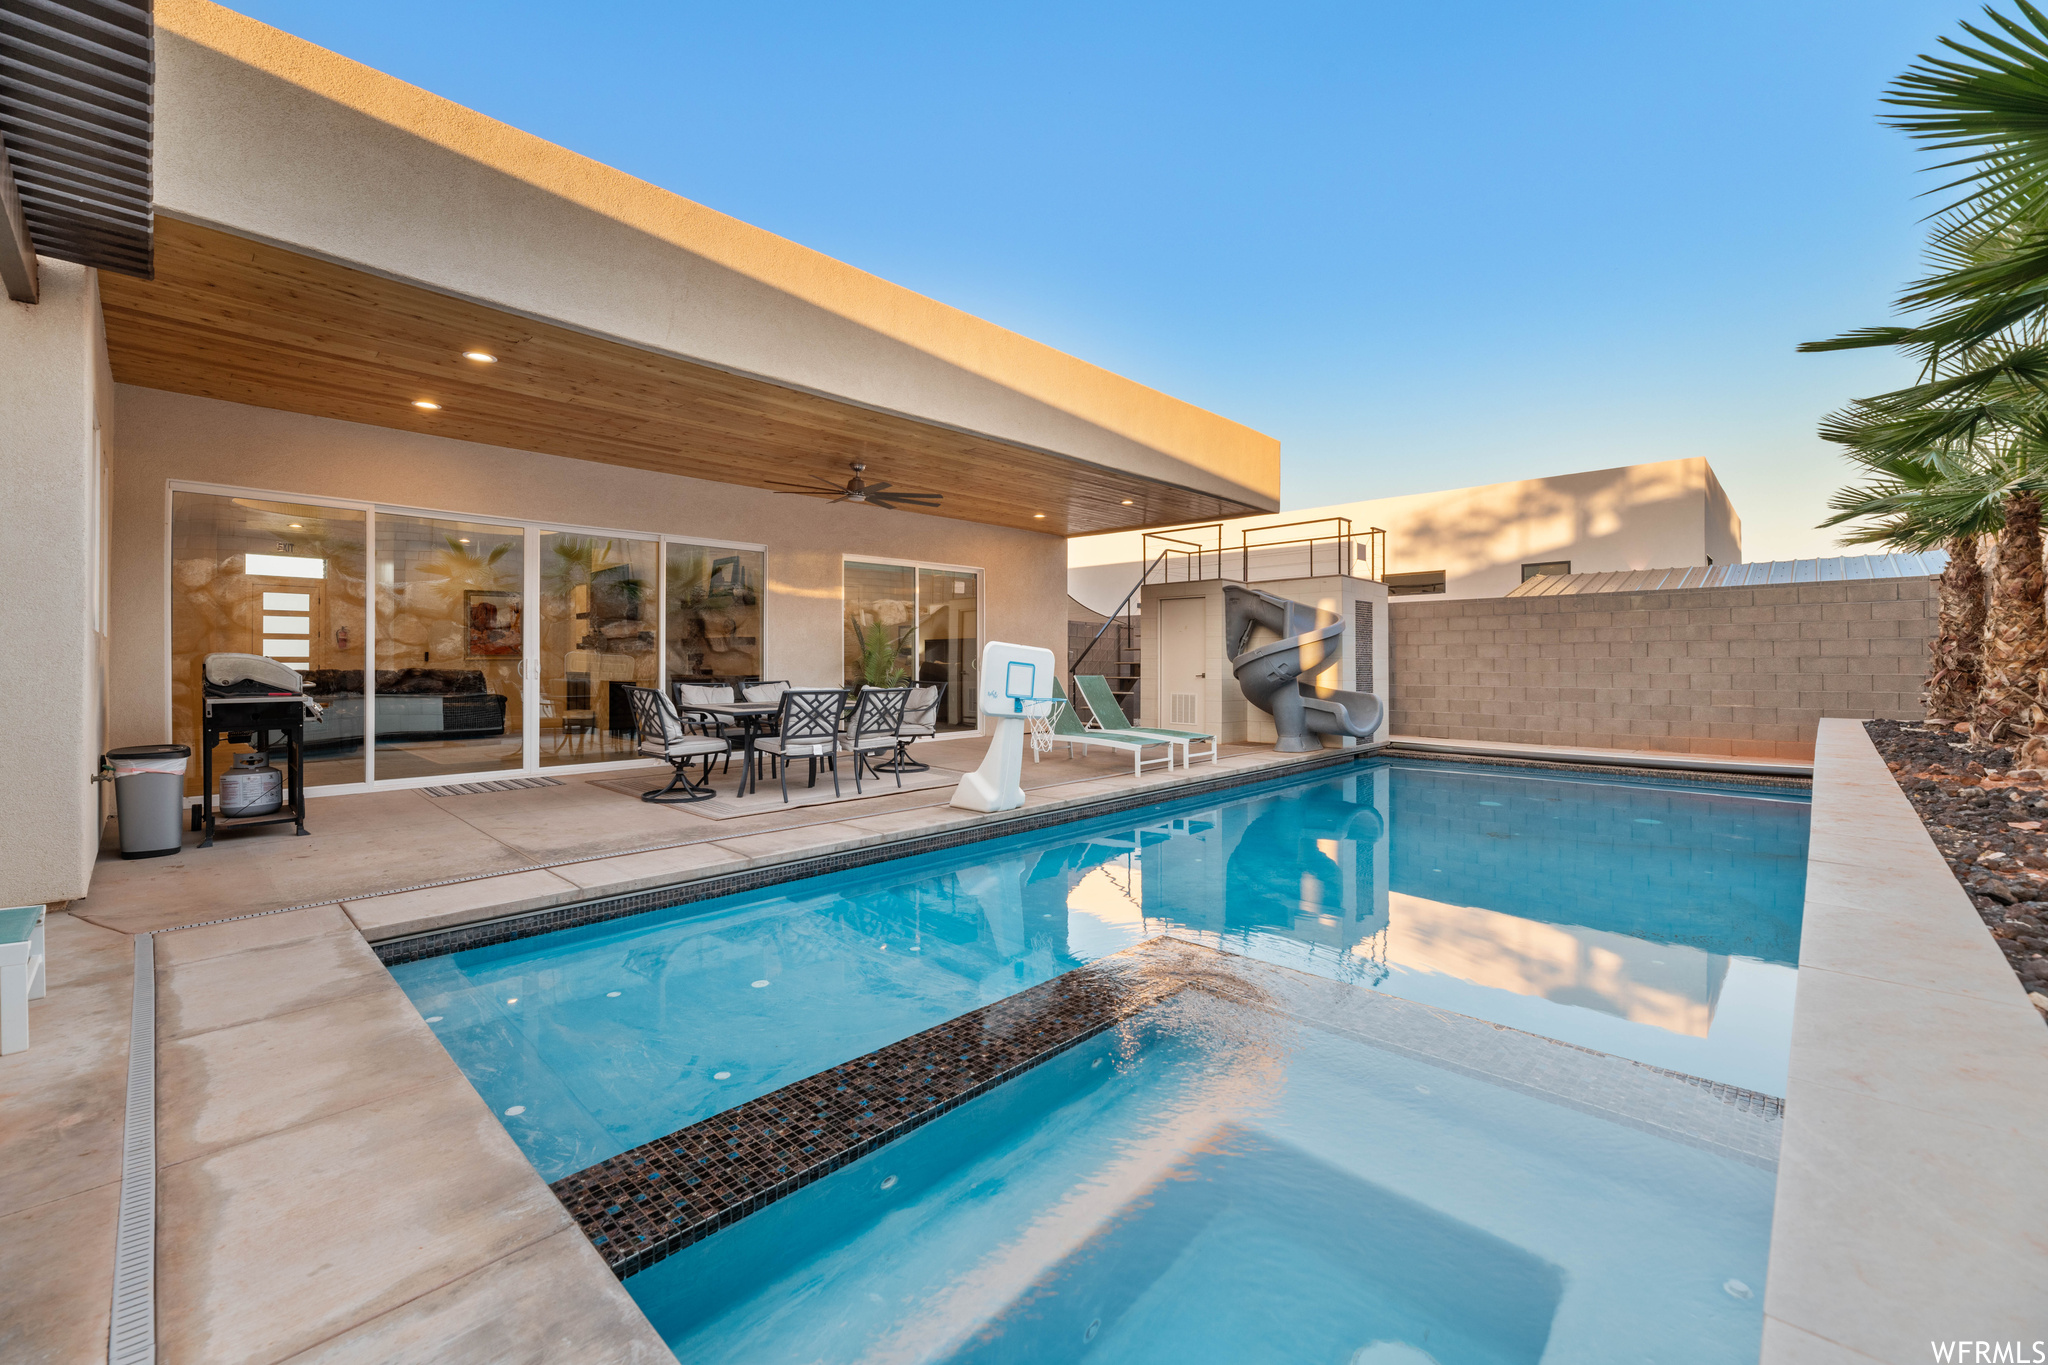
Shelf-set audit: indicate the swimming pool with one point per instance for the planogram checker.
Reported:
(1304, 1178)
(1652, 920)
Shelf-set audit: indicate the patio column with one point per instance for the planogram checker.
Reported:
(54, 384)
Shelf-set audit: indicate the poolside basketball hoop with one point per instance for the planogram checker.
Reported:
(1016, 685)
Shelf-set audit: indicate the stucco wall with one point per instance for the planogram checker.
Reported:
(1724, 528)
(264, 134)
(1645, 516)
(54, 394)
(1744, 672)
(171, 436)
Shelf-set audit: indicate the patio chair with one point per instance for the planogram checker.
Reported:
(920, 721)
(877, 726)
(662, 736)
(807, 727)
(707, 722)
(769, 691)
(1067, 729)
(1102, 704)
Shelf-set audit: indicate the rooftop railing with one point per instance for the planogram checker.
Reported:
(1323, 547)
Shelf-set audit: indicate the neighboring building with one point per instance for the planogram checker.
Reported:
(1479, 542)
(473, 431)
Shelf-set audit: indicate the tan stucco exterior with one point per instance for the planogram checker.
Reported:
(55, 397)
(1640, 516)
(268, 136)
(197, 440)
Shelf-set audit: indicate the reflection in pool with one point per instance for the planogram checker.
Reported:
(1655, 921)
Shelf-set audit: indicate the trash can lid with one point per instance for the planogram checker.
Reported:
(152, 751)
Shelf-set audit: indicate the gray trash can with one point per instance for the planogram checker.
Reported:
(149, 795)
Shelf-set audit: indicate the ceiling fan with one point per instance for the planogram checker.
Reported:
(858, 490)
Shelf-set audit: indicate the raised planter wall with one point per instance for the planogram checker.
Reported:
(1744, 672)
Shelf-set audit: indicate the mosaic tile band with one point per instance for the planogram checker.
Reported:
(648, 1203)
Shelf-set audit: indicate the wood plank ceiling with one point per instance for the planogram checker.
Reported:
(232, 319)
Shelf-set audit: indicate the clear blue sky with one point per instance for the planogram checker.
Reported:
(1425, 246)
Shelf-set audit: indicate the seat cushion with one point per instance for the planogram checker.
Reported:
(910, 731)
(689, 746)
(704, 695)
(774, 744)
(769, 694)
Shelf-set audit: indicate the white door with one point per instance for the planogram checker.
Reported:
(1183, 663)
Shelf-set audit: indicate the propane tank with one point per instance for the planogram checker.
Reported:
(251, 787)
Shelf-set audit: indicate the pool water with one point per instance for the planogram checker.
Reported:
(1651, 920)
(1212, 1183)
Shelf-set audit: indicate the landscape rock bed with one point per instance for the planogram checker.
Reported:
(1988, 821)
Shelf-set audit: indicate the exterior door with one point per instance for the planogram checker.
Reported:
(1184, 663)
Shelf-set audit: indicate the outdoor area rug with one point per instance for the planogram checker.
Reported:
(768, 796)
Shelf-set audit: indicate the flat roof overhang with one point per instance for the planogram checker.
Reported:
(249, 322)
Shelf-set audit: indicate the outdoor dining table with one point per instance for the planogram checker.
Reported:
(751, 715)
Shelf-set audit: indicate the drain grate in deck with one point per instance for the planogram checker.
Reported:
(510, 784)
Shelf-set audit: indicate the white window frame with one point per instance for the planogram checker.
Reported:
(529, 664)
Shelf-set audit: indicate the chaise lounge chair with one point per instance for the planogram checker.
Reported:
(1102, 704)
(1068, 730)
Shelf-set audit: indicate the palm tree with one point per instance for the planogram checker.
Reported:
(1914, 504)
(1984, 104)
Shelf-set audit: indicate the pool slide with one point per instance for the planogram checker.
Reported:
(1277, 678)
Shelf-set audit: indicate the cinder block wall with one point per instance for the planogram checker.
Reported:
(1743, 672)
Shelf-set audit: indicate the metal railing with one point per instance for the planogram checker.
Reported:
(1196, 554)
(1123, 619)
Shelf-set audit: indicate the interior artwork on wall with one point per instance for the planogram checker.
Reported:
(494, 625)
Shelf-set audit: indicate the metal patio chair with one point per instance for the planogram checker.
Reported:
(662, 736)
(920, 721)
(807, 727)
(876, 727)
(708, 723)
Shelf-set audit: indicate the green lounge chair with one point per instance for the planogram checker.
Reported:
(1067, 729)
(1094, 689)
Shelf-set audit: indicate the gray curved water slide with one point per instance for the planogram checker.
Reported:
(1278, 678)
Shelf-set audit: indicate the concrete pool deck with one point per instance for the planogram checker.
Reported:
(1909, 1207)
(330, 1186)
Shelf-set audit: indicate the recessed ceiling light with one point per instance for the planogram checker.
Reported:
(463, 540)
(294, 526)
(423, 403)
(484, 356)
(1038, 516)
(1127, 502)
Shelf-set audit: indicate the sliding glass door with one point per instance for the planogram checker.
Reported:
(443, 647)
(713, 612)
(919, 624)
(450, 696)
(279, 579)
(598, 622)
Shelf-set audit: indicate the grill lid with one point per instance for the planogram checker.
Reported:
(249, 675)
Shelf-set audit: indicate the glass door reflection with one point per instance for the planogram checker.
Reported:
(949, 641)
(450, 644)
(598, 617)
